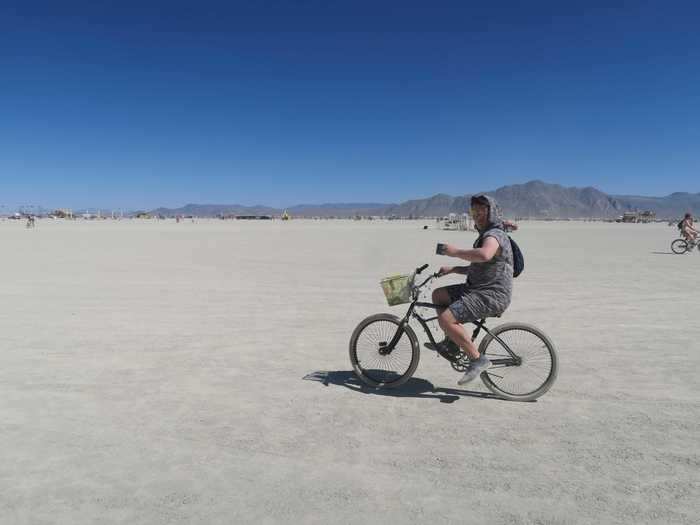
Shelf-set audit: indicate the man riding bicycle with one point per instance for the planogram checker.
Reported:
(687, 229)
(487, 290)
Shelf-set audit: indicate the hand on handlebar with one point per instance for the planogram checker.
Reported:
(445, 270)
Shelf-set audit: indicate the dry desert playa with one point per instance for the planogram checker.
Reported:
(154, 373)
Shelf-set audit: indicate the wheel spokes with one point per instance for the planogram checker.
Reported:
(376, 366)
(535, 364)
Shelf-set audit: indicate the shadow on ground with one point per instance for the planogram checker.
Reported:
(414, 387)
(663, 253)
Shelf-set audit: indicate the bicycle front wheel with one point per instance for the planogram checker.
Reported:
(679, 246)
(373, 365)
(529, 371)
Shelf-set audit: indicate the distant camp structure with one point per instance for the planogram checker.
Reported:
(91, 216)
(647, 216)
(464, 222)
(454, 222)
(63, 213)
(637, 217)
(230, 216)
(285, 216)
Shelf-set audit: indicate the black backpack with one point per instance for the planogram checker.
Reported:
(680, 225)
(518, 259)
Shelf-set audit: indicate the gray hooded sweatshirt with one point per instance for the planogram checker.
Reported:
(492, 281)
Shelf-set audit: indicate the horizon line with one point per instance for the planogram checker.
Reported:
(130, 209)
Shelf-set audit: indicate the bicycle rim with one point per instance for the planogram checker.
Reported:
(679, 246)
(538, 367)
(372, 366)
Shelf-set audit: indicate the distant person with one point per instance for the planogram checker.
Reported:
(687, 229)
(509, 226)
(487, 290)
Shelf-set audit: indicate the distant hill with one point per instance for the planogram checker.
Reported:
(534, 199)
(337, 210)
(300, 210)
(670, 206)
(213, 210)
(537, 199)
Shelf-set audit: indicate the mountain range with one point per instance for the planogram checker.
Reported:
(534, 199)
(300, 210)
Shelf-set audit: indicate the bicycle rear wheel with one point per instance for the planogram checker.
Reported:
(679, 246)
(527, 376)
(372, 365)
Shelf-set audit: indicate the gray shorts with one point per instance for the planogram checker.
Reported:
(468, 305)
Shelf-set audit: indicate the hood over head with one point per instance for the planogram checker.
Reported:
(495, 214)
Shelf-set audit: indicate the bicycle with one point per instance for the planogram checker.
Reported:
(384, 349)
(681, 246)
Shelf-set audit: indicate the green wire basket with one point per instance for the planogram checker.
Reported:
(397, 289)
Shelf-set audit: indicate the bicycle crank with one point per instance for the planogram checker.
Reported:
(461, 363)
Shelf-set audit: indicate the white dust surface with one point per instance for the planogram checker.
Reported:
(153, 373)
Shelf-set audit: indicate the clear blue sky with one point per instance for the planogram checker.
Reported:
(165, 103)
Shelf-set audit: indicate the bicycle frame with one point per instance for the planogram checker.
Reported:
(514, 360)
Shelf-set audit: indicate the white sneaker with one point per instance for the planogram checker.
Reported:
(475, 369)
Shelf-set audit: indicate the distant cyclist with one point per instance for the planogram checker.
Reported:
(687, 229)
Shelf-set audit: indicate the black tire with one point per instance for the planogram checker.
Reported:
(539, 368)
(679, 246)
(383, 371)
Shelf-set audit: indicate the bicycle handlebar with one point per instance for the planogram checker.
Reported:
(432, 276)
(419, 270)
